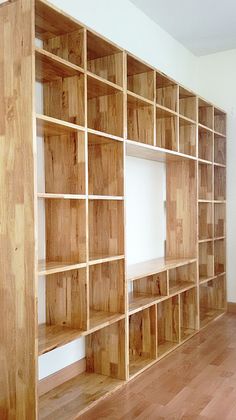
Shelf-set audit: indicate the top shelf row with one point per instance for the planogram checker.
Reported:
(68, 40)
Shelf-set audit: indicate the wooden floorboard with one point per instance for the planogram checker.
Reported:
(197, 381)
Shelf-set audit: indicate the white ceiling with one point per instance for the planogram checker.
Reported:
(202, 26)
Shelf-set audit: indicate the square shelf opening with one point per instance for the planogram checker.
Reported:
(205, 113)
(219, 149)
(212, 300)
(182, 277)
(140, 120)
(187, 137)
(166, 129)
(62, 153)
(147, 289)
(205, 181)
(104, 59)
(106, 229)
(166, 92)
(219, 219)
(219, 256)
(219, 121)
(187, 104)
(105, 107)
(205, 221)
(106, 291)
(168, 325)
(105, 166)
(220, 183)
(205, 144)
(142, 339)
(206, 261)
(188, 313)
(140, 78)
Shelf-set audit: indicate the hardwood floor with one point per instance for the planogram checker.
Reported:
(197, 381)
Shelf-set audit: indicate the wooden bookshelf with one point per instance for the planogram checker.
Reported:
(96, 104)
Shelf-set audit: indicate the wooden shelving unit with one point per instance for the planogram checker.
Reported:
(97, 104)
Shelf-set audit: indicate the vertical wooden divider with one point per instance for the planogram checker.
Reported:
(177, 131)
(197, 215)
(155, 110)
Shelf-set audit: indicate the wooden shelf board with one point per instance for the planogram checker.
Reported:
(202, 241)
(208, 162)
(100, 319)
(75, 396)
(221, 165)
(48, 126)
(100, 258)
(168, 110)
(103, 134)
(205, 279)
(141, 300)
(62, 196)
(140, 98)
(205, 127)
(165, 347)
(106, 197)
(208, 315)
(181, 286)
(186, 333)
(97, 86)
(51, 337)
(51, 267)
(187, 120)
(220, 134)
(157, 265)
(139, 364)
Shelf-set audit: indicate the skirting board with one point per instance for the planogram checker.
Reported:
(231, 307)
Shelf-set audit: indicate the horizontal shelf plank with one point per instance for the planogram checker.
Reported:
(49, 126)
(181, 286)
(62, 196)
(100, 319)
(165, 347)
(209, 315)
(104, 260)
(205, 279)
(142, 300)
(140, 98)
(139, 364)
(51, 337)
(52, 267)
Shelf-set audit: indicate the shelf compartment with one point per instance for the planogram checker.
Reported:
(140, 120)
(105, 166)
(219, 149)
(219, 121)
(205, 144)
(205, 221)
(104, 59)
(219, 183)
(50, 337)
(219, 256)
(142, 339)
(205, 181)
(140, 78)
(105, 107)
(106, 289)
(187, 104)
(188, 314)
(168, 325)
(106, 228)
(205, 113)
(147, 290)
(187, 137)
(166, 92)
(219, 219)
(166, 129)
(206, 261)
(212, 300)
(182, 277)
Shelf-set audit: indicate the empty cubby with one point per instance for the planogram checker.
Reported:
(106, 228)
(219, 183)
(206, 261)
(167, 324)
(212, 299)
(140, 120)
(205, 113)
(219, 256)
(166, 129)
(205, 221)
(106, 291)
(205, 144)
(142, 339)
(147, 289)
(140, 78)
(188, 313)
(104, 107)
(187, 137)
(219, 149)
(166, 92)
(219, 219)
(105, 166)
(219, 121)
(205, 181)
(187, 104)
(182, 277)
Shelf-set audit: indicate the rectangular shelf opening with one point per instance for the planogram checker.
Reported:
(219, 183)
(166, 129)
(140, 120)
(205, 144)
(205, 113)
(206, 261)
(212, 300)
(182, 277)
(205, 181)
(219, 256)
(168, 325)
(219, 149)
(166, 92)
(187, 104)
(140, 78)
(219, 219)
(147, 290)
(219, 121)
(205, 221)
(188, 314)
(142, 339)
(187, 137)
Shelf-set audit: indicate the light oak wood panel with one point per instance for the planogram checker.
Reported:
(188, 313)
(212, 299)
(166, 129)
(219, 220)
(219, 149)
(140, 78)
(182, 277)
(205, 221)
(219, 121)
(147, 289)
(187, 137)
(205, 181)
(219, 256)
(206, 261)
(166, 92)
(50, 337)
(48, 126)
(219, 183)
(187, 104)
(205, 113)
(205, 144)
(140, 120)
(168, 324)
(18, 353)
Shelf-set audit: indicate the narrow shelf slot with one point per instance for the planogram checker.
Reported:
(219, 149)
(219, 256)
(205, 181)
(205, 221)
(206, 261)
(140, 78)
(219, 183)
(187, 104)
(219, 121)
(188, 314)
(212, 300)
(182, 277)
(205, 144)
(167, 325)
(166, 129)
(205, 113)
(140, 120)
(187, 137)
(147, 289)
(219, 220)
(166, 92)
